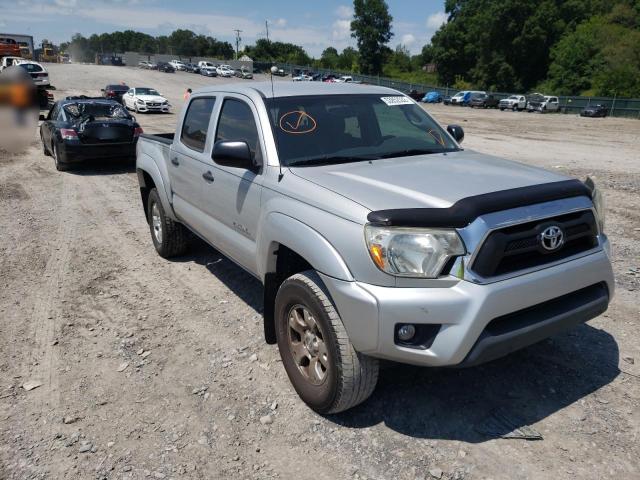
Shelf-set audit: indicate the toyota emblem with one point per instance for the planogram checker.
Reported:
(552, 238)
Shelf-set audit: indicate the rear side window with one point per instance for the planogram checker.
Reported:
(196, 123)
(31, 67)
(237, 123)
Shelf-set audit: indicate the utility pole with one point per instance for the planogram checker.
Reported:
(266, 26)
(238, 32)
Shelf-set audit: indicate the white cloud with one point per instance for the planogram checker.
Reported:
(341, 30)
(344, 12)
(408, 40)
(434, 22)
(280, 22)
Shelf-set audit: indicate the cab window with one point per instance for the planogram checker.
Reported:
(196, 123)
(236, 123)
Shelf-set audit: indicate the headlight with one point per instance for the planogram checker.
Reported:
(166, 102)
(412, 252)
(141, 102)
(598, 202)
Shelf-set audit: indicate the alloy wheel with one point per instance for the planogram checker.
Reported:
(156, 222)
(307, 345)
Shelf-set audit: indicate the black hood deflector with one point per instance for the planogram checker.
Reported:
(466, 210)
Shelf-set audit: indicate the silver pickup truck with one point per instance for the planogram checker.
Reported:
(375, 235)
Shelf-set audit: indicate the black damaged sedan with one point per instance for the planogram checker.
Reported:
(80, 128)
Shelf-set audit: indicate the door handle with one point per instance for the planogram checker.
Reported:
(175, 161)
(208, 176)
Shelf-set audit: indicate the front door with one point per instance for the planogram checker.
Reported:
(232, 200)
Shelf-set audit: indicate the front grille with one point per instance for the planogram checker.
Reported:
(519, 247)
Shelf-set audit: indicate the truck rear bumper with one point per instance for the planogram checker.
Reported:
(467, 323)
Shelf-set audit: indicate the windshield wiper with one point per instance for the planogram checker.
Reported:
(330, 159)
(413, 151)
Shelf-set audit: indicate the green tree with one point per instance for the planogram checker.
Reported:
(348, 59)
(329, 58)
(371, 27)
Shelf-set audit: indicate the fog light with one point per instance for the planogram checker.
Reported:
(406, 332)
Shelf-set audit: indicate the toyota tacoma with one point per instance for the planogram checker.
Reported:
(374, 234)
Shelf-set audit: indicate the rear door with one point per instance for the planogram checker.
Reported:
(187, 161)
(231, 201)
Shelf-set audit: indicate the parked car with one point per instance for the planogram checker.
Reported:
(192, 68)
(6, 62)
(79, 129)
(543, 103)
(458, 98)
(224, 71)
(279, 72)
(432, 97)
(465, 258)
(344, 79)
(115, 92)
(244, 73)
(208, 71)
(416, 95)
(446, 100)
(598, 110)
(483, 100)
(148, 65)
(302, 78)
(513, 102)
(205, 64)
(178, 65)
(36, 71)
(330, 78)
(144, 100)
(166, 67)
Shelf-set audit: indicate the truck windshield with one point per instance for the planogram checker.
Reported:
(322, 129)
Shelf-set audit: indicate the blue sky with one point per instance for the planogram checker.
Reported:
(312, 24)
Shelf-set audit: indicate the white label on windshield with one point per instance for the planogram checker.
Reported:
(391, 101)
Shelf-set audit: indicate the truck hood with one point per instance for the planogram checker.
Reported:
(424, 181)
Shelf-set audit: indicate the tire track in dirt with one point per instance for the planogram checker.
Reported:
(47, 310)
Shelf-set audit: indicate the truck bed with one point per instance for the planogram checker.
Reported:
(166, 138)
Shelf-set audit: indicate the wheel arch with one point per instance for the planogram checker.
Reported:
(287, 247)
(149, 177)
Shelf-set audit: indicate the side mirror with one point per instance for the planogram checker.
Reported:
(234, 154)
(456, 132)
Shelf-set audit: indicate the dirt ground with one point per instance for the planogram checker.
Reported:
(158, 369)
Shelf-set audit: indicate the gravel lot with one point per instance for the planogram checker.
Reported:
(157, 369)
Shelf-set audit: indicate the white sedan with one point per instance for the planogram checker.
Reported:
(145, 100)
(224, 71)
(303, 78)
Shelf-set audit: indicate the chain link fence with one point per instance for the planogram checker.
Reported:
(618, 107)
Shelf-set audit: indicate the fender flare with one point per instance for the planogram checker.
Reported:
(145, 163)
(279, 228)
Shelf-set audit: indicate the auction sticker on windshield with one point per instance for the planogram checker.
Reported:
(391, 101)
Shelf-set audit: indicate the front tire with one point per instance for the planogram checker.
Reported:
(170, 238)
(322, 365)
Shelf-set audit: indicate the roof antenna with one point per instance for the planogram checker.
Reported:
(274, 70)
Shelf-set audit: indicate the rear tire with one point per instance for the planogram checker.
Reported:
(46, 152)
(60, 166)
(322, 365)
(170, 238)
